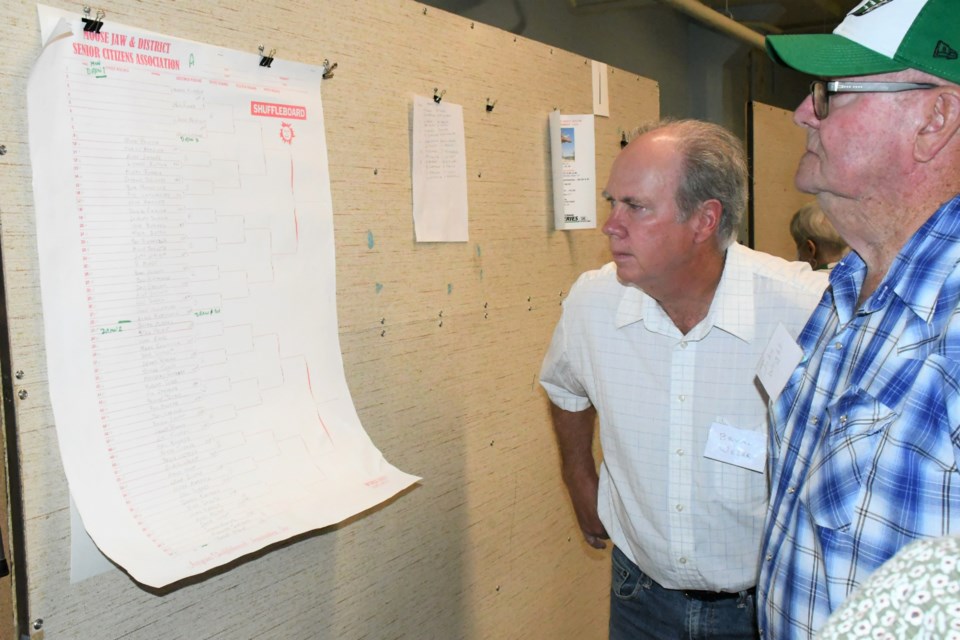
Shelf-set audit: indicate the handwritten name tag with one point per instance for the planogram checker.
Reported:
(740, 447)
(778, 361)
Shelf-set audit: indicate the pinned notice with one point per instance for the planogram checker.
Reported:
(439, 171)
(186, 252)
(574, 171)
(601, 93)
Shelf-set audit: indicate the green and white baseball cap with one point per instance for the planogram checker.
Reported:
(879, 36)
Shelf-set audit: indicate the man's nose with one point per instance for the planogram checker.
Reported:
(614, 224)
(804, 116)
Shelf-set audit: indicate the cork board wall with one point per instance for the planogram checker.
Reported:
(776, 144)
(441, 345)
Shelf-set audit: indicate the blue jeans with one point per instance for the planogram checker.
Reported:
(640, 609)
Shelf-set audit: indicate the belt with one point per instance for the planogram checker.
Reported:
(713, 596)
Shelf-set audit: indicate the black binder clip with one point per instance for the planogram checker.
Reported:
(328, 69)
(266, 59)
(92, 25)
(623, 140)
(4, 566)
(490, 105)
(437, 97)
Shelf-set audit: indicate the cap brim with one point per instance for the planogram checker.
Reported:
(828, 55)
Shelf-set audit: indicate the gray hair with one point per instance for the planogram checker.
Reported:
(810, 223)
(714, 167)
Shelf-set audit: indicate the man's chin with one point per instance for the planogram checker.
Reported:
(804, 179)
(627, 277)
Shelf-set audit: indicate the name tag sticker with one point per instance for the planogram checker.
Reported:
(740, 447)
(778, 361)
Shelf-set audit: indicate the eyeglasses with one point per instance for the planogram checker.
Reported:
(821, 90)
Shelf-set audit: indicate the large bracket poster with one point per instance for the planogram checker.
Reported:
(185, 238)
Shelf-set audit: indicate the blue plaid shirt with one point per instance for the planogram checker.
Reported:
(865, 436)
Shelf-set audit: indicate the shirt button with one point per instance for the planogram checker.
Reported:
(683, 344)
(683, 560)
(682, 397)
(769, 557)
(843, 419)
(814, 420)
(838, 345)
(679, 452)
(791, 490)
(679, 507)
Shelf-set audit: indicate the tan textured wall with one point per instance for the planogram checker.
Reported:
(441, 360)
(776, 146)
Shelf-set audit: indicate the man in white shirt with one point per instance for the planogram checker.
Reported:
(663, 344)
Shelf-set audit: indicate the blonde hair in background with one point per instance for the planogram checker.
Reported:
(810, 223)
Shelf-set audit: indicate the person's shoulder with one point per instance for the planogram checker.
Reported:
(912, 595)
(783, 274)
(596, 285)
(595, 280)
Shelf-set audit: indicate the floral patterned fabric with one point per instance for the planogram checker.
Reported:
(915, 595)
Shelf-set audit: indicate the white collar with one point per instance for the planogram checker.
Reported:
(732, 308)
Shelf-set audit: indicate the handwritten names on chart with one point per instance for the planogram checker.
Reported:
(169, 371)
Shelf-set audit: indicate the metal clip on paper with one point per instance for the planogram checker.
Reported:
(328, 69)
(490, 105)
(437, 97)
(90, 24)
(266, 59)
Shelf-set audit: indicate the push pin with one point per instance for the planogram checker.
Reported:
(623, 140)
(92, 25)
(328, 69)
(437, 97)
(266, 59)
(490, 105)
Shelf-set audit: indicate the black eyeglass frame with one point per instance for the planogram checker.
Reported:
(821, 90)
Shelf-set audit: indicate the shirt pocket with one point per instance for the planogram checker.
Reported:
(736, 492)
(841, 463)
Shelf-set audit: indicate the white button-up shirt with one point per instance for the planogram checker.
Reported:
(687, 521)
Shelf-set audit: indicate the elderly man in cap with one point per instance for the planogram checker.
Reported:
(865, 436)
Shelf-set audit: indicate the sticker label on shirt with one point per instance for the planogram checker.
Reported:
(740, 447)
(778, 361)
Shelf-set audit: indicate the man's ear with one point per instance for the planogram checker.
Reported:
(707, 216)
(941, 125)
(812, 249)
